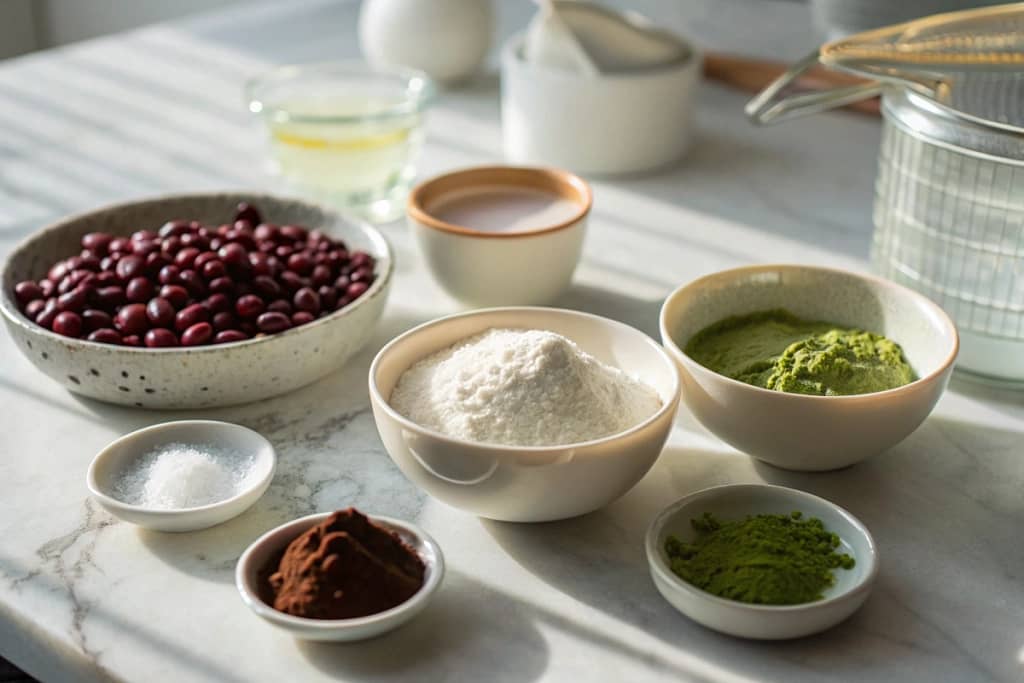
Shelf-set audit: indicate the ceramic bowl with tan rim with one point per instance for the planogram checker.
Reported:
(795, 431)
(501, 235)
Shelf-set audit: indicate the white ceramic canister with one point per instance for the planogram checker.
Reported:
(448, 39)
(608, 124)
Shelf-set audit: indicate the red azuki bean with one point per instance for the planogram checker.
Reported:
(105, 279)
(197, 334)
(132, 340)
(49, 288)
(139, 290)
(228, 336)
(214, 269)
(155, 262)
(224, 285)
(300, 263)
(265, 232)
(143, 236)
(356, 290)
(217, 302)
(271, 323)
(170, 246)
(105, 335)
(57, 272)
(260, 263)
(172, 228)
(328, 297)
(73, 280)
(267, 247)
(90, 263)
(94, 319)
(302, 317)
(109, 298)
(266, 286)
(195, 240)
(283, 251)
(233, 254)
(68, 324)
(224, 320)
(321, 275)
(189, 316)
(290, 281)
(169, 275)
(144, 248)
(160, 312)
(363, 274)
(307, 300)
(47, 315)
(130, 266)
(204, 258)
(360, 258)
(75, 300)
(97, 242)
(176, 294)
(249, 306)
(248, 327)
(342, 283)
(294, 232)
(160, 337)
(131, 319)
(120, 245)
(34, 308)
(186, 257)
(280, 306)
(107, 263)
(26, 291)
(247, 212)
(193, 282)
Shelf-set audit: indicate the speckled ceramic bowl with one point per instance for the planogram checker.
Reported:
(203, 376)
(811, 432)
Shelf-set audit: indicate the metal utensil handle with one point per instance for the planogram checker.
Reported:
(766, 108)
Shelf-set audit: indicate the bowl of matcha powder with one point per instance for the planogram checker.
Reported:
(760, 561)
(808, 368)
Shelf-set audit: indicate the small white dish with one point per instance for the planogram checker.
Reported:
(110, 462)
(508, 268)
(526, 483)
(257, 555)
(762, 622)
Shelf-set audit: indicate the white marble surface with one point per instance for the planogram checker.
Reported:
(83, 598)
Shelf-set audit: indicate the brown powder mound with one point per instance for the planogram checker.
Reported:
(345, 567)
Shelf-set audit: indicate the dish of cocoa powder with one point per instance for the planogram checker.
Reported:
(345, 567)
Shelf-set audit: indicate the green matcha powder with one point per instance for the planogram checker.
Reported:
(763, 559)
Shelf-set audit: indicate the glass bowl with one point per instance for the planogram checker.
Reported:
(345, 132)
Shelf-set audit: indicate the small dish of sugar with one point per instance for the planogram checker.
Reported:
(182, 476)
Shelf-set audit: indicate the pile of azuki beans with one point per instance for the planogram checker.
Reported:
(190, 284)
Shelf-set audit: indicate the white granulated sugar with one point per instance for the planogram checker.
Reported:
(521, 388)
(176, 476)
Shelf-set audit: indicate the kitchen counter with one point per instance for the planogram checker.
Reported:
(86, 598)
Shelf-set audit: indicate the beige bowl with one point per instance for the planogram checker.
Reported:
(811, 432)
(199, 376)
(509, 268)
(526, 484)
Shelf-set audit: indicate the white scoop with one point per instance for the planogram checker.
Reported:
(590, 39)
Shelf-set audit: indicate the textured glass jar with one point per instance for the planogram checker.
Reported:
(949, 222)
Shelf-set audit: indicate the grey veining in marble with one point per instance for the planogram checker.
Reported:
(83, 598)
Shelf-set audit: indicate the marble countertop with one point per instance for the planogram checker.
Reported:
(85, 598)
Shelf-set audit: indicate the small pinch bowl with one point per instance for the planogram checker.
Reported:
(109, 462)
(520, 483)
(199, 376)
(259, 554)
(811, 433)
(762, 622)
(514, 268)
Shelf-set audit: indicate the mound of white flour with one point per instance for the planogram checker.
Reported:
(521, 388)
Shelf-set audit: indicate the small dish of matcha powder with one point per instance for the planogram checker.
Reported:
(768, 559)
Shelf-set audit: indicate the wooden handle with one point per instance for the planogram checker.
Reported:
(753, 75)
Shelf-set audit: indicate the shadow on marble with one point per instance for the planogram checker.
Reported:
(451, 638)
(639, 313)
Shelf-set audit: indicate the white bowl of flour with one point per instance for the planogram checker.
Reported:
(524, 414)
